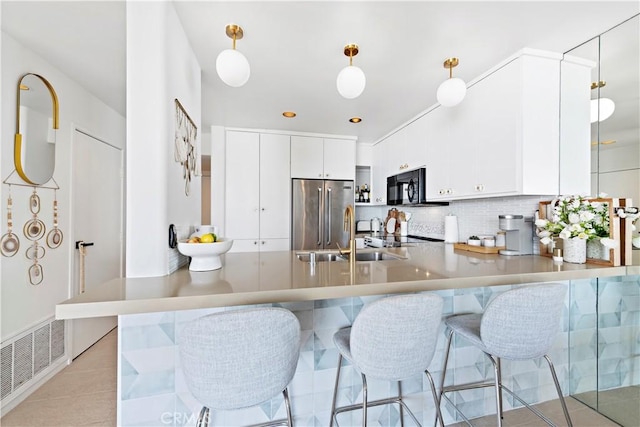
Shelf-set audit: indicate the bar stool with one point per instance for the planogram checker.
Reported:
(238, 359)
(392, 339)
(519, 324)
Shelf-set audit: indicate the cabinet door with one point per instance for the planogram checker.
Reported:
(437, 143)
(379, 173)
(462, 145)
(245, 245)
(496, 105)
(339, 159)
(271, 245)
(307, 157)
(275, 186)
(242, 200)
(396, 157)
(415, 138)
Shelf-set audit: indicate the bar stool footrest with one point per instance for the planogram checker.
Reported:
(378, 402)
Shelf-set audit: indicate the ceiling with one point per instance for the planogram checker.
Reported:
(295, 51)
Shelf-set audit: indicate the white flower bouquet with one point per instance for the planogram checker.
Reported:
(576, 216)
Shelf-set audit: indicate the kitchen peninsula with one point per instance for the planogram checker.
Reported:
(325, 297)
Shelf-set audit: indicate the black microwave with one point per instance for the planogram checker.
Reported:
(409, 188)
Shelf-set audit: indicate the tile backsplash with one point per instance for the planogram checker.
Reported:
(478, 216)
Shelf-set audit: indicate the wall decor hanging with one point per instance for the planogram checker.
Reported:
(9, 244)
(37, 122)
(185, 150)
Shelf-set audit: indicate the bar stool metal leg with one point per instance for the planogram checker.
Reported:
(559, 390)
(203, 418)
(287, 405)
(364, 400)
(335, 392)
(401, 407)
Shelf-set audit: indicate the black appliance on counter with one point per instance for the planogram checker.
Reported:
(409, 189)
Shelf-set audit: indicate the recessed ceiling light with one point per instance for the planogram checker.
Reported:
(289, 114)
(355, 119)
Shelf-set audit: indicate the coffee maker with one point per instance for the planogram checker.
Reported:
(519, 234)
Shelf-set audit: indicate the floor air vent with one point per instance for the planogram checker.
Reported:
(28, 355)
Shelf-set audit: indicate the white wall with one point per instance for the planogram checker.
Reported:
(218, 173)
(24, 305)
(161, 66)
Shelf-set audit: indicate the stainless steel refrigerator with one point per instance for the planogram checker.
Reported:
(318, 213)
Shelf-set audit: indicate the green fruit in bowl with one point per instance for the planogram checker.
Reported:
(208, 238)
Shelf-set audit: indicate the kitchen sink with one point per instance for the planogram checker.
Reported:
(320, 256)
(375, 256)
(360, 256)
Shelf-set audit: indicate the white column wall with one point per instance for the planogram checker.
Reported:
(22, 304)
(161, 66)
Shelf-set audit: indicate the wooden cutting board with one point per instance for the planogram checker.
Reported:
(479, 249)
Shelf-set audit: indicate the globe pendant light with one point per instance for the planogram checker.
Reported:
(231, 65)
(351, 79)
(452, 91)
(601, 108)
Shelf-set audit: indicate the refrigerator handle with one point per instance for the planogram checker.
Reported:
(320, 216)
(329, 210)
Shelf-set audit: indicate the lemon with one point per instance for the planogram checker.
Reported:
(208, 238)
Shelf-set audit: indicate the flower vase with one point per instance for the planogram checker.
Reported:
(575, 250)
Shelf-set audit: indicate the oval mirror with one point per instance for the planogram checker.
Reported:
(36, 125)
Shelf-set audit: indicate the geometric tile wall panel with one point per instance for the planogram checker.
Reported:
(150, 371)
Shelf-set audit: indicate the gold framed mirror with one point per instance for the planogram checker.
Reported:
(36, 126)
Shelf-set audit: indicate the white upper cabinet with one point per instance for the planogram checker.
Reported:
(307, 157)
(379, 171)
(339, 159)
(503, 139)
(320, 158)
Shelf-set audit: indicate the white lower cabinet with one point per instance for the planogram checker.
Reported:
(258, 191)
(260, 245)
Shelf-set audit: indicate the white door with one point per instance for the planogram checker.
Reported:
(97, 221)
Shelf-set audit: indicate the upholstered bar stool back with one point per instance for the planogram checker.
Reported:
(392, 339)
(519, 324)
(237, 359)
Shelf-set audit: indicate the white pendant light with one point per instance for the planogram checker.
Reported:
(231, 65)
(351, 79)
(601, 108)
(452, 91)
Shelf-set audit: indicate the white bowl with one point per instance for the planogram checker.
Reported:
(473, 242)
(205, 256)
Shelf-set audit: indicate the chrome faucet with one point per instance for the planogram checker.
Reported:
(350, 226)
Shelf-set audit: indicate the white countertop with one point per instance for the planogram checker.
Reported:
(270, 277)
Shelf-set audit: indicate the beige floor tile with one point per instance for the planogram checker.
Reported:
(581, 416)
(70, 384)
(87, 409)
